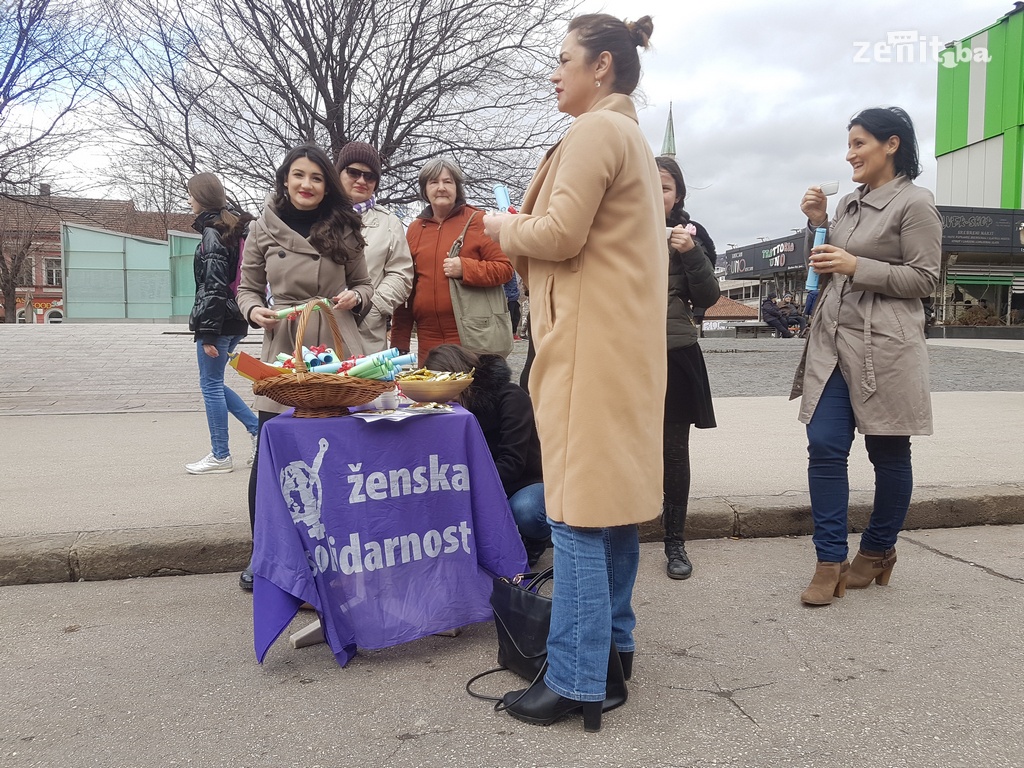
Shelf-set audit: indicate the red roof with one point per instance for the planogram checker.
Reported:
(727, 309)
(43, 214)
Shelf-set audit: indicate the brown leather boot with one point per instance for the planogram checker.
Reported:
(829, 582)
(871, 566)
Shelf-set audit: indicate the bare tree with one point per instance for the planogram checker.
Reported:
(51, 55)
(18, 228)
(227, 85)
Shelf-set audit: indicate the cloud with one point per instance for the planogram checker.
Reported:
(762, 94)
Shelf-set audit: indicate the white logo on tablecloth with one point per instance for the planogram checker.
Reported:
(303, 492)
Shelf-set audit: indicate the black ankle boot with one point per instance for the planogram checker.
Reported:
(679, 566)
(615, 691)
(673, 516)
(539, 705)
(534, 549)
(626, 659)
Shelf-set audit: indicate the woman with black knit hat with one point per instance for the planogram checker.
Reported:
(215, 320)
(387, 251)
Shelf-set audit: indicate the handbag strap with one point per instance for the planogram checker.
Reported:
(456, 248)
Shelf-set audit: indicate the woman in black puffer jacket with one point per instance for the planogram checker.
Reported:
(216, 322)
(505, 414)
(691, 283)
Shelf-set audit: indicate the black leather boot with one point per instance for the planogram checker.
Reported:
(535, 549)
(674, 519)
(539, 705)
(626, 659)
(615, 691)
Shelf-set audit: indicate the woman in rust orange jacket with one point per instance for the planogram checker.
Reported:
(481, 262)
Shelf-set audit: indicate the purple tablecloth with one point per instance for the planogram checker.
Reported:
(391, 530)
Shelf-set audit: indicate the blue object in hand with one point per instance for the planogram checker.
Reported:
(812, 277)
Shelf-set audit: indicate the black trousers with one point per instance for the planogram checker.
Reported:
(516, 315)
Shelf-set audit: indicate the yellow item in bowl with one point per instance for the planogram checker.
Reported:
(423, 391)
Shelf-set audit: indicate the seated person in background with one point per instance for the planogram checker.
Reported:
(791, 314)
(771, 315)
(505, 413)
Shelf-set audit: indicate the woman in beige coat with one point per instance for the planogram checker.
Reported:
(591, 245)
(866, 363)
(387, 252)
(305, 244)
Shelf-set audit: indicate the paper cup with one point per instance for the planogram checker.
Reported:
(829, 187)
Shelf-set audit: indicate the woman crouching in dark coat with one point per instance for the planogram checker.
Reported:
(505, 414)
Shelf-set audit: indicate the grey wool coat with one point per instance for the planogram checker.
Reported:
(872, 324)
(278, 256)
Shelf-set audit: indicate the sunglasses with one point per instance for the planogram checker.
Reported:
(355, 173)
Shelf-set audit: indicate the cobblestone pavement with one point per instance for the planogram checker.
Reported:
(88, 368)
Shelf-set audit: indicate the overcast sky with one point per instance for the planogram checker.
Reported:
(762, 92)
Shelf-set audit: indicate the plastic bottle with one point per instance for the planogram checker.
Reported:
(812, 277)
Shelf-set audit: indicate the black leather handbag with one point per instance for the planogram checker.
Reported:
(522, 617)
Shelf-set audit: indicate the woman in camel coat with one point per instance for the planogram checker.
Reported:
(591, 245)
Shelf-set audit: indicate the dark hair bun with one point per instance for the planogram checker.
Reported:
(640, 31)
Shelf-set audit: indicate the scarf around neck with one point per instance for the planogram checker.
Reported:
(364, 206)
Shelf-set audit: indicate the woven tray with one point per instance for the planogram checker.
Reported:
(316, 395)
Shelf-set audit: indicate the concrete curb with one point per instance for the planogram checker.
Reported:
(223, 547)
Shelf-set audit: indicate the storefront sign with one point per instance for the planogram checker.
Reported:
(771, 257)
(982, 230)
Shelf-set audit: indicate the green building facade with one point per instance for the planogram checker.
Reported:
(979, 148)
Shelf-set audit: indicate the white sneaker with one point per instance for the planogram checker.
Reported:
(252, 456)
(209, 465)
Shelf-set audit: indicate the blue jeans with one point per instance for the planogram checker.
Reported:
(591, 605)
(220, 399)
(829, 438)
(529, 511)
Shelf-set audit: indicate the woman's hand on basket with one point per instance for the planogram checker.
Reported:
(264, 318)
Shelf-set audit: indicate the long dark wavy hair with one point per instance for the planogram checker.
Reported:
(335, 213)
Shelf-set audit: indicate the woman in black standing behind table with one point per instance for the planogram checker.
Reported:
(307, 243)
(691, 282)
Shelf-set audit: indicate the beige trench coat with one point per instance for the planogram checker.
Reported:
(278, 255)
(390, 266)
(872, 325)
(591, 245)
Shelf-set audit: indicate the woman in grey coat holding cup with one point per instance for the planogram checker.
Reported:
(866, 364)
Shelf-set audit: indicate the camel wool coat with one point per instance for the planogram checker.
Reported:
(872, 324)
(591, 245)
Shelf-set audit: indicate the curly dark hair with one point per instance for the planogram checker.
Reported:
(335, 210)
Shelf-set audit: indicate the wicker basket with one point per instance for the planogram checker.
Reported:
(315, 395)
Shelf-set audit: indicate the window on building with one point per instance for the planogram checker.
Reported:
(27, 276)
(55, 316)
(53, 273)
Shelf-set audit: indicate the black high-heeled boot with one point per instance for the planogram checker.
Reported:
(615, 691)
(539, 705)
(626, 659)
